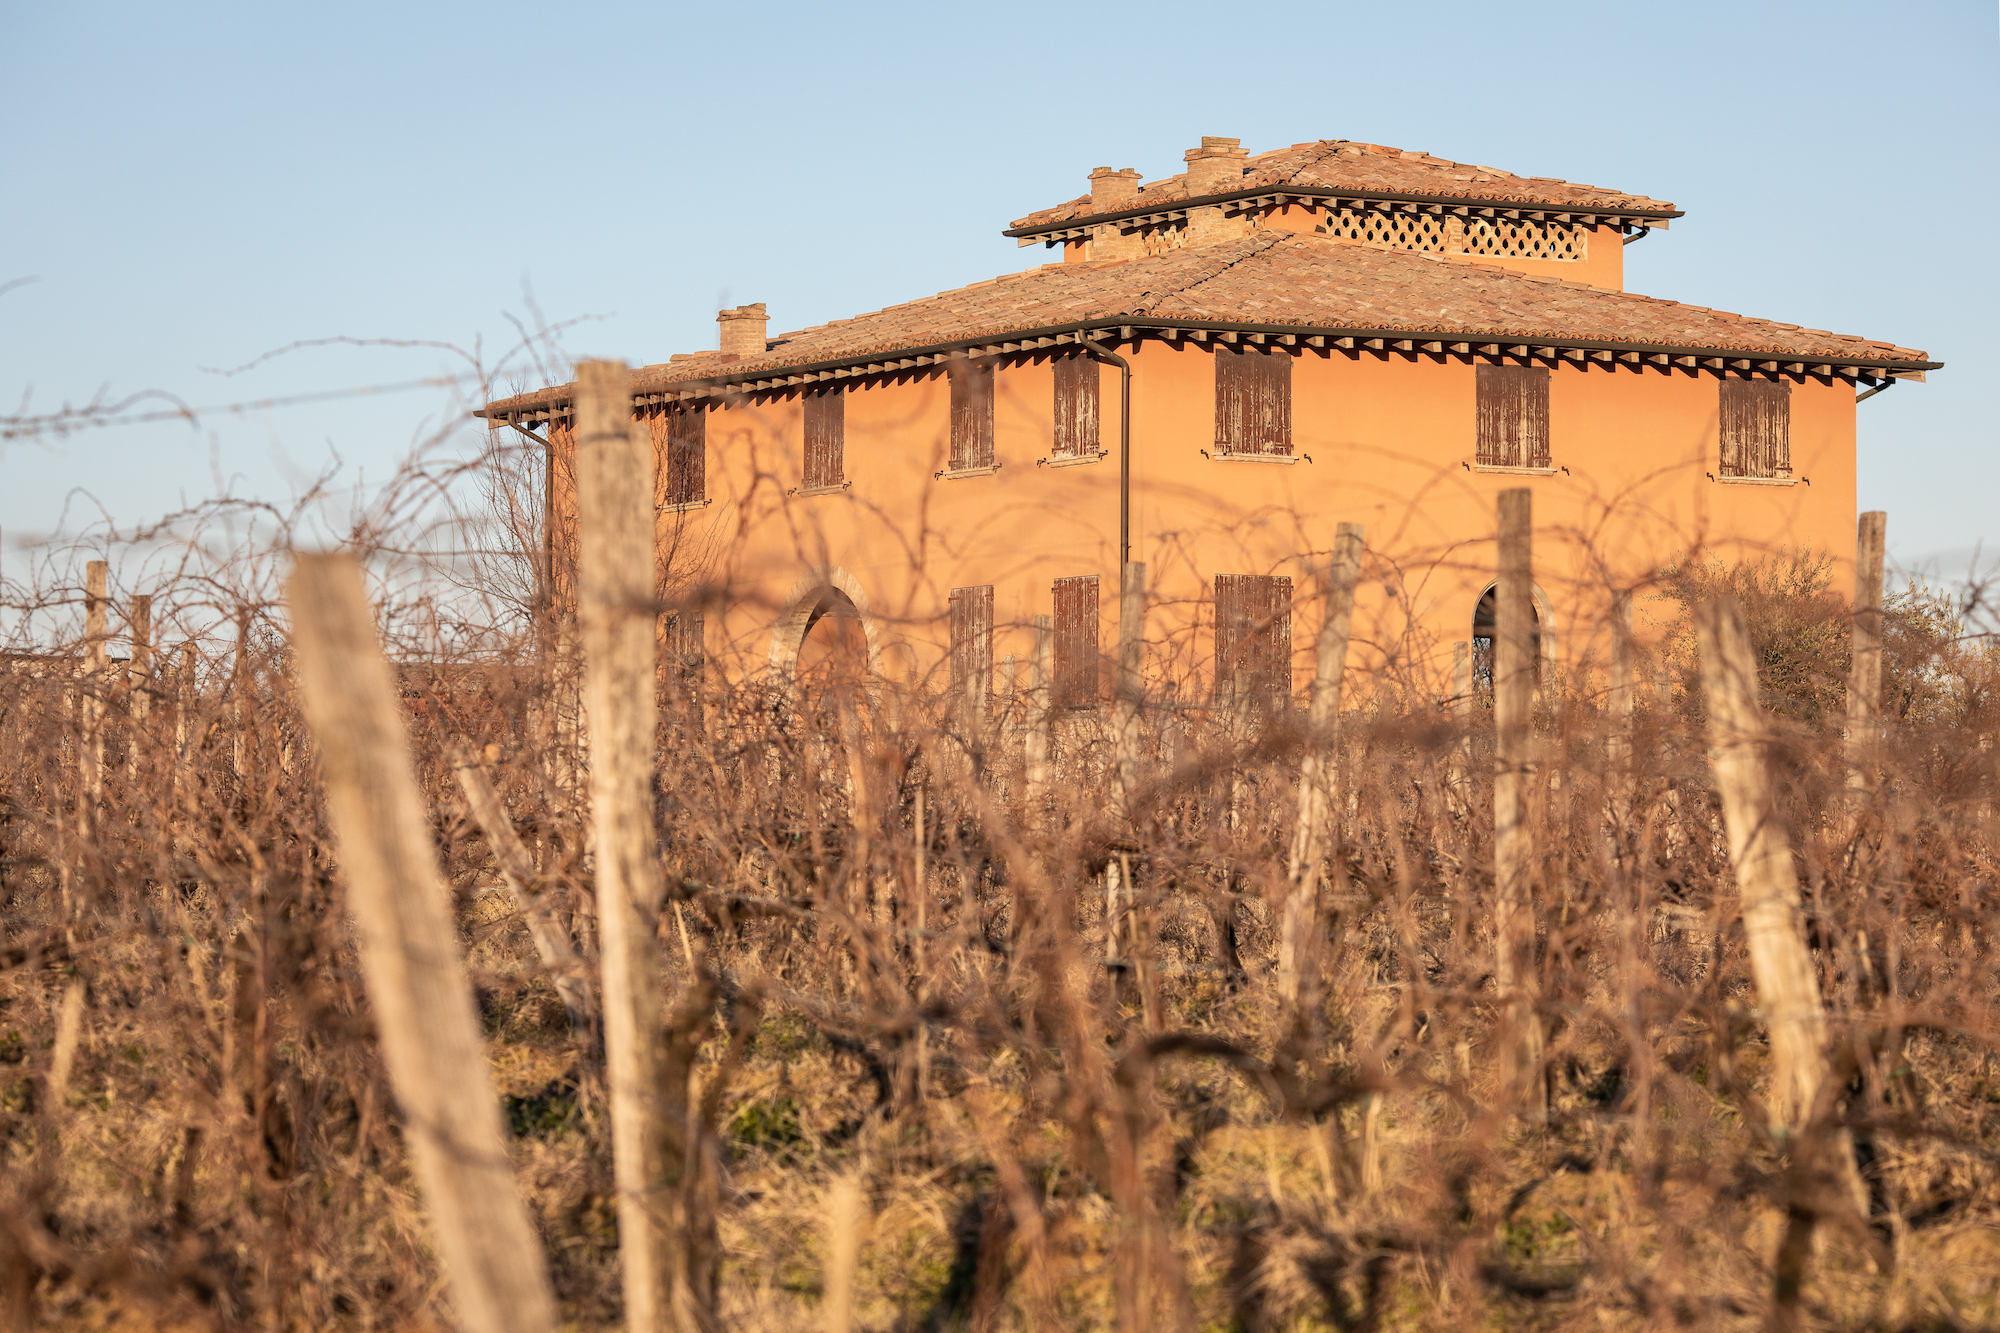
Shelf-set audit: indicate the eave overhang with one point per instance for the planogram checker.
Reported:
(1246, 201)
(752, 382)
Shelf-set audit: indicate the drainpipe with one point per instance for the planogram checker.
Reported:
(1124, 446)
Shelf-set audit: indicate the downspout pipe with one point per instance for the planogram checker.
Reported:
(1124, 446)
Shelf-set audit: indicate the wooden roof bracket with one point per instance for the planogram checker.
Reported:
(1889, 383)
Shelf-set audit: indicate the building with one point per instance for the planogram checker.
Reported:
(1223, 366)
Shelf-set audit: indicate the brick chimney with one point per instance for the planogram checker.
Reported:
(743, 330)
(1113, 191)
(1216, 167)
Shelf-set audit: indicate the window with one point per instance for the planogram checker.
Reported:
(1513, 416)
(972, 643)
(1253, 403)
(971, 416)
(1076, 642)
(1485, 623)
(1253, 636)
(1076, 407)
(1756, 428)
(684, 479)
(826, 439)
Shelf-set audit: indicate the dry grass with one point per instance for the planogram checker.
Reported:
(1038, 1139)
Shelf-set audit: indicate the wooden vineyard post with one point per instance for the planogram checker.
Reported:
(1864, 685)
(1458, 769)
(1514, 664)
(1126, 698)
(1309, 839)
(1618, 700)
(614, 526)
(1035, 744)
(667, 1253)
(239, 685)
(1129, 691)
(139, 677)
(410, 957)
(1761, 855)
(96, 633)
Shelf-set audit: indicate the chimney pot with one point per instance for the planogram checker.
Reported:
(1216, 167)
(743, 330)
(1111, 190)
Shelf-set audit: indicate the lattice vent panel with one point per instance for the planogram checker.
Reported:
(1395, 231)
(1525, 240)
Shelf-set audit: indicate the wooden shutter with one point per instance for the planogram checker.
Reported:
(684, 651)
(686, 470)
(1513, 416)
(826, 439)
(1076, 432)
(1076, 641)
(971, 416)
(972, 643)
(1253, 402)
(1756, 428)
(1253, 635)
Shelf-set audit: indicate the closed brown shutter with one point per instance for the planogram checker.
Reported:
(826, 439)
(971, 416)
(1076, 641)
(684, 651)
(1253, 402)
(1076, 407)
(972, 642)
(1756, 428)
(1253, 635)
(685, 475)
(1513, 416)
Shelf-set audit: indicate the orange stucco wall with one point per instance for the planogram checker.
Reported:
(1391, 442)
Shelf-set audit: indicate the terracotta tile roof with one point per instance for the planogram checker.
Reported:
(1339, 165)
(1288, 280)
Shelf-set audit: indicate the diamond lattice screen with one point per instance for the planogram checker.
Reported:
(1396, 231)
(1525, 240)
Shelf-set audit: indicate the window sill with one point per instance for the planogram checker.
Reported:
(835, 489)
(1079, 460)
(1758, 481)
(959, 474)
(687, 508)
(1516, 471)
(1285, 459)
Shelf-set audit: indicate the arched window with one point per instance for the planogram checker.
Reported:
(1485, 618)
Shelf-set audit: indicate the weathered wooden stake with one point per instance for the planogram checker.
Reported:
(1514, 664)
(410, 957)
(96, 635)
(1864, 684)
(1773, 925)
(1129, 693)
(1319, 765)
(1458, 768)
(139, 683)
(614, 481)
(239, 734)
(1618, 744)
(1035, 745)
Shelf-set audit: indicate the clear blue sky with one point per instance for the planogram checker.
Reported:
(192, 185)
